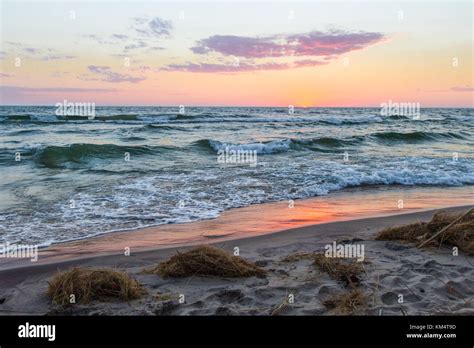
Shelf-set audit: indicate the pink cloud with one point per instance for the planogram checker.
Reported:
(308, 62)
(315, 43)
(224, 68)
(242, 67)
(323, 45)
(106, 74)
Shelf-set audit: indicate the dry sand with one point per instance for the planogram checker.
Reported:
(432, 281)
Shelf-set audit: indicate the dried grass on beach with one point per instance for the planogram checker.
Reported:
(339, 269)
(347, 303)
(206, 261)
(298, 257)
(460, 234)
(343, 269)
(92, 284)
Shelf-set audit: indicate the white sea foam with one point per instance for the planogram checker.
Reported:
(261, 148)
(155, 200)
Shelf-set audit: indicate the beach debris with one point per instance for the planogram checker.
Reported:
(345, 270)
(285, 305)
(164, 297)
(298, 257)
(351, 302)
(444, 228)
(206, 261)
(280, 308)
(349, 240)
(410, 233)
(456, 229)
(84, 285)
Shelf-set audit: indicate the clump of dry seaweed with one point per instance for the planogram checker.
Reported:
(345, 270)
(206, 261)
(339, 269)
(444, 228)
(92, 284)
(347, 303)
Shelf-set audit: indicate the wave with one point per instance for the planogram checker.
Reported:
(60, 156)
(132, 138)
(270, 147)
(119, 118)
(285, 121)
(325, 144)
(17, 117)
(278, 146)
(417, 136)
(184, 117)
(162, 127)
(174, 118)
(26, 131)
(26, 118)
(61, 119)
(398, 117)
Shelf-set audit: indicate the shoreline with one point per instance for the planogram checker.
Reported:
(330, 230)
(391, 268)
(257, 220)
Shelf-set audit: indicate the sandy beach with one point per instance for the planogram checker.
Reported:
(431, 281)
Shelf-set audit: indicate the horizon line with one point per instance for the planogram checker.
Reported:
(239, 106)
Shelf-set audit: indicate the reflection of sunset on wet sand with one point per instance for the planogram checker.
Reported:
(268, 218)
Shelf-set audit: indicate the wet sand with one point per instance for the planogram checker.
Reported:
(259, 220)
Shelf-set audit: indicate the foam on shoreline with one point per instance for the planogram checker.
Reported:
(261, 220)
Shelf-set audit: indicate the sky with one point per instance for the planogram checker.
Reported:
(259, 53)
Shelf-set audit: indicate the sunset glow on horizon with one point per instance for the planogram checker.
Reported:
(307, 54)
